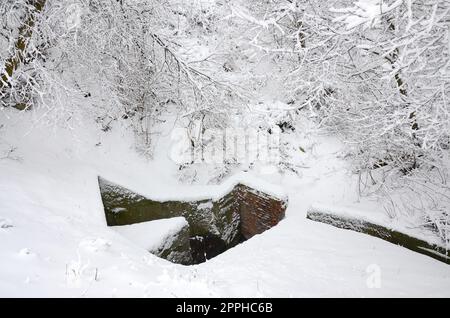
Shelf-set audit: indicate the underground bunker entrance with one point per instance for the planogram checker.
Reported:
(208, 246)
(213, 225)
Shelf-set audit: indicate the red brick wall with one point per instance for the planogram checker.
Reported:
(258, 211)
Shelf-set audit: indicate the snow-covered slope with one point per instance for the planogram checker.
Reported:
(54, 240)
(152, 235)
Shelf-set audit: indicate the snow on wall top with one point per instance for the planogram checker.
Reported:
(151, 235)
(214, 192)
(378, 219)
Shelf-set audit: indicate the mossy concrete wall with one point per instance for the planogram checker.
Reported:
(176, 248)
(395, 237)
(214, 225)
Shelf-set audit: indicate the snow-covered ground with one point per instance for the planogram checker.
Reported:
(154, 234)
(54, 240)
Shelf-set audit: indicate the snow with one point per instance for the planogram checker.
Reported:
(55, 242)
(215, 192)
(382, 219)
(152, 235)
(366, 12)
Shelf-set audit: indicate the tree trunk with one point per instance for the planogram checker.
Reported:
(392, 58)
(25, 33)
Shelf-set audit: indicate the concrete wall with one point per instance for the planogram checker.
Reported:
(221, 224)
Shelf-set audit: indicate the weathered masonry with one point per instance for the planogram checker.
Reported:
(417, 245)
(215, 225)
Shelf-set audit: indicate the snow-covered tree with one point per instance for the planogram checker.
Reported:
(377, 74)
(114, 60)
(396, 114)
(22, 45)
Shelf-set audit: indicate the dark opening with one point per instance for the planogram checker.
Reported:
(206, 247)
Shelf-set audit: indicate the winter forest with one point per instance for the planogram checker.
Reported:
(224, 148)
